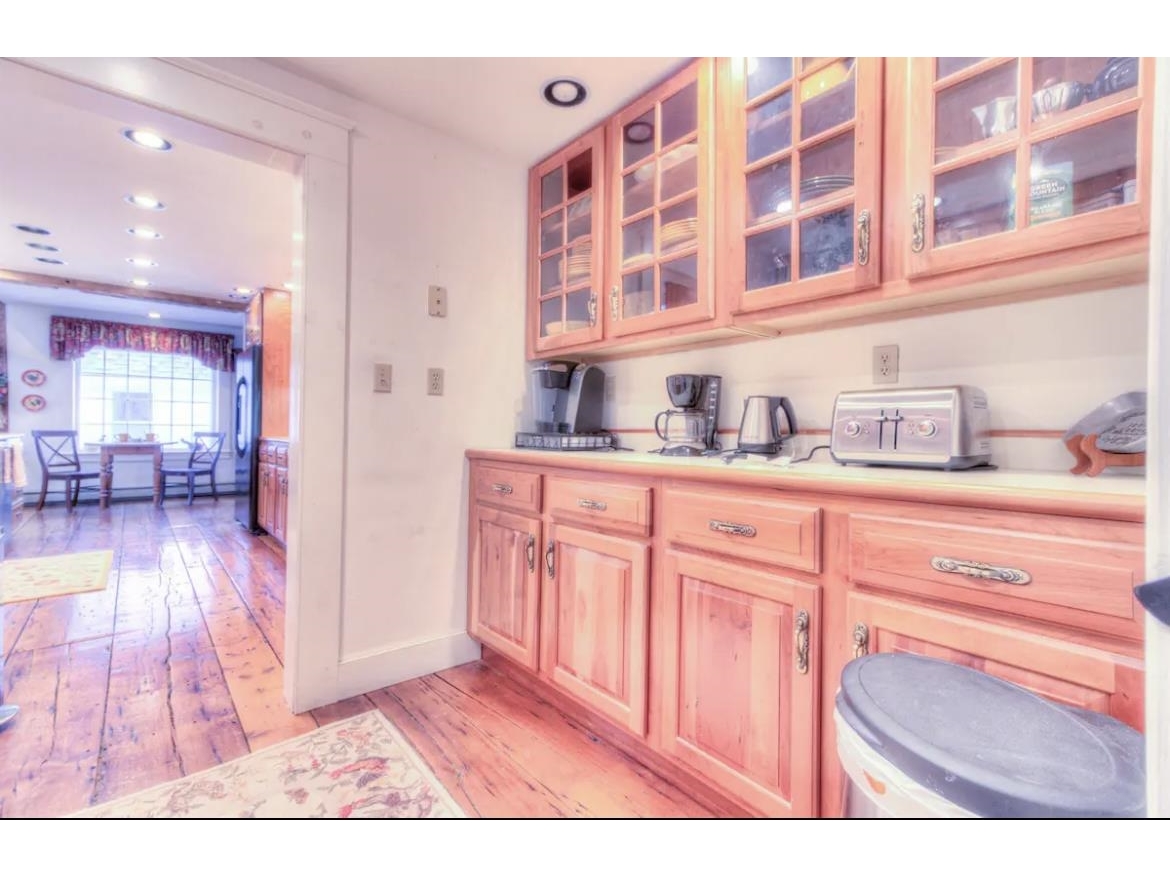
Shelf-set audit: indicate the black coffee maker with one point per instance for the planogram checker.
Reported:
(689, 429)
(567, 400)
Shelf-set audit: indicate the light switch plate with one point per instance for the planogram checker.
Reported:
(434, 382)
(437, 301)
(382, 375)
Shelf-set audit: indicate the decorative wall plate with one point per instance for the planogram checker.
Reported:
(34, 377)
(33, 402)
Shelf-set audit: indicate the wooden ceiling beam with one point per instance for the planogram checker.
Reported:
(145, 295)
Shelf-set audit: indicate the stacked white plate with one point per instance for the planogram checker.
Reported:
(679, 232)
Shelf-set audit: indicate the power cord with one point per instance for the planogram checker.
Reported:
(809, 455)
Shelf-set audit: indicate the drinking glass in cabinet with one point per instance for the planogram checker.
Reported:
(679, 226)
(552, 231)
(975, 200)
(826, 242)
(638, 139)
(679, 280)
(1084, 170)
(769, 127)
(764, 74)
(552, 189)
(826, 168)
(680, 115)
(680, 171)
(769, 257)
(638, 293)
(976, 109)
(827, 97)
(769, 192)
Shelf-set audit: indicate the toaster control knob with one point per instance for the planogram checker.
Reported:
(853, 429)
(927, 428)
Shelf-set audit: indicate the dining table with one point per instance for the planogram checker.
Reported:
(110, 450)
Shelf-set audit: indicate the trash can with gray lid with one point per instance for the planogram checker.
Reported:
(923, 737)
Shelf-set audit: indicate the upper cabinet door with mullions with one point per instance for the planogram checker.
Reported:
(802, 177)
(662, 180)
(565, 274)
(1011, 157)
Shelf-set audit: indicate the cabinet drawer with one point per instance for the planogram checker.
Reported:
(1061, 577)
(281, 454)
(617, 506)
(748, 525)
(266, 452)
(510, 488)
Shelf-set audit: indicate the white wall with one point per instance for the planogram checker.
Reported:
(28, 347)
(425, 208)
(1043, 364)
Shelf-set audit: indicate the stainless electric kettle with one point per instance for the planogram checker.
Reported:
(767, 421)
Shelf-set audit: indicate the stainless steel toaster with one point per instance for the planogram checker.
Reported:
(926, 427)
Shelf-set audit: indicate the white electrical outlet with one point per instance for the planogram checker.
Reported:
(434, 382)
(382, 374)
(437, 301)
(885, 364)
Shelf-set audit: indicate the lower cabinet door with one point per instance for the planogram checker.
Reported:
(1068, 673)
(740, 677)
(595, 621)
(505, 583)
(264, 497)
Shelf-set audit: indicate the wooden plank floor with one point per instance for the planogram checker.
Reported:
(176, 667)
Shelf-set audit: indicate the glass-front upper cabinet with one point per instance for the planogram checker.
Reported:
(1015, 156)
(661, 226)
(802, 180)
(565, 273)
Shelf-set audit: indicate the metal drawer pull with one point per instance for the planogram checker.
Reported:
(918, 224)
(860, 640)
(802, 641)
(550, 558)
(734, 529)
(976, 570)
(863, 238)
(502, 489)
(592, 504)
(530, 552)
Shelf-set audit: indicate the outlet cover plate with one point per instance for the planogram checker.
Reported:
(437, 301)
(434, 382)
(885, 364)
(382, 377)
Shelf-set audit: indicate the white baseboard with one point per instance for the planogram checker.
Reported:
(374, 670)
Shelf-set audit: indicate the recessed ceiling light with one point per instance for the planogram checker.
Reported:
(48, 248)
(146, 139)
(565, 92)
(146, 202)
(242, 290)
(142, 262)
(140, 282)
(50, 261)
(154, 315)
(148, 233)
(31, 229)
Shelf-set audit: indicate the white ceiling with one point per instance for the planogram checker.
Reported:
(128, 309)
(65, 166)
(493, 102)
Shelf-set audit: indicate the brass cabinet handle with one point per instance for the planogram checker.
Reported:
(502, 489)
(615, 303)
(550, 559)
(592, 504)
(976, 570)
(918, 224)
(863, 238)
(802, 641)
(860, 640)
(593, 309)
(530, 552)
(734, 529)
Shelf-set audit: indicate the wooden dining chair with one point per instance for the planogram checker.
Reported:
(57, 454)
(205, 451)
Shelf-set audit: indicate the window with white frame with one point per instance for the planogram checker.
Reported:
(125, 391)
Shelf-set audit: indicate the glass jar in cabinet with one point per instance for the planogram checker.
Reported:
(565, 275)
(801, 177)
(661, 226)
(1015, 157)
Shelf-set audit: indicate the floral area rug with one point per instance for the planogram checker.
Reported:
(32, 578)
(359, 767)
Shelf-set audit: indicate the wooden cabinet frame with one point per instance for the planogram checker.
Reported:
(527, 563)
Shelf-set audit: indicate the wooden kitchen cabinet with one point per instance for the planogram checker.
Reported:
(265, 500)
(504, 583)
(1015, 157)
(1077, 675)
(740, 671)
(566, 233)
(800, 155)
(594, 632)
(272, 501)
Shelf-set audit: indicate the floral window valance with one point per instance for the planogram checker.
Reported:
(72, 338)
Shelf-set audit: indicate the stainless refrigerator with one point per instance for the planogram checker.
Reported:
(246, 445)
